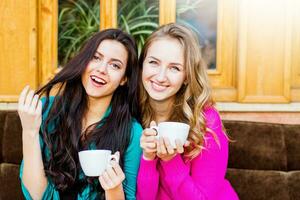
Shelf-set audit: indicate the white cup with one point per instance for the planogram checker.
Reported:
(173, 131)
(94, 162)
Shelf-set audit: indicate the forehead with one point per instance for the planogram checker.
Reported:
(113, 49)
(167, 50)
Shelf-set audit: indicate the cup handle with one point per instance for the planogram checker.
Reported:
(114, 157)
(156, 129)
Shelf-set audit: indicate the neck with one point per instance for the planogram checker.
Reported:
(162, 109)
(98, 106)
(96, 109)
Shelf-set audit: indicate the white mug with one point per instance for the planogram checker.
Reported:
(94, 162)
(173, 131)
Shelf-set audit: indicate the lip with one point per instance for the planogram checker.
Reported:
(158, 87)
(102, 80)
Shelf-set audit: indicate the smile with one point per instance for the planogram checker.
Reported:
(97, 81)
(158, 87)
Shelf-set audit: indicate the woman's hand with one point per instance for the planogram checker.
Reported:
(165, 151)
(149, 142)
(113, 176)
(30, 112)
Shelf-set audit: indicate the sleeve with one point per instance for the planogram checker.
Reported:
(148, 180)
(50, 192)
(132, 162)
(206, 176)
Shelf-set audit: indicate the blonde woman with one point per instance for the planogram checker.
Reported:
(176, 88)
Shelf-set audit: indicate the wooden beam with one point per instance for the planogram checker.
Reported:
(108, 14)
(47, 40)
(167, 11)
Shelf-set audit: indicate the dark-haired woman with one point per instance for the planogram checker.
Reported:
(94, 107)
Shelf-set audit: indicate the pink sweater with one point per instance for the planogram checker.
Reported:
(201, 178)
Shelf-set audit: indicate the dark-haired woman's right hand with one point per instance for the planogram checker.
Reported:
(149, 142)
(30, 112)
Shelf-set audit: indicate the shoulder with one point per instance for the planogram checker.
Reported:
(136, 132)
(136, 128)
(51, 100)
(212, 117)
(47, 110)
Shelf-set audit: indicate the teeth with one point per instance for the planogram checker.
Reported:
(98, 80)
(158, 87)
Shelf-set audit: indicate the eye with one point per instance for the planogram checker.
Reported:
(175, 68)
(153, 62)
(115, 66)
(97, 58)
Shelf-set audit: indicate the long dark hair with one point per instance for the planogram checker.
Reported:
(61, 129)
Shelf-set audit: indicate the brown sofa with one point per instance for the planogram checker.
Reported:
(264, 159)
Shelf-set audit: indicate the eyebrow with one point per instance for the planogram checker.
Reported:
(159, 60)
(113, 59)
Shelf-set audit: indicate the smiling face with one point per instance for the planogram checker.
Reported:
(163, 69)
(106, 71)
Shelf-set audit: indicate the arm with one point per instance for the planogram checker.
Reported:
(30, 111)
(208, 169)
(148, 176)
(132, 161)
(148, 180)
(34, 185)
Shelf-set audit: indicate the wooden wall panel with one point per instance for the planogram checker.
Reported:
(223, 79)
(47, 40)
(18, 42)
(295, 91)
(264, 51)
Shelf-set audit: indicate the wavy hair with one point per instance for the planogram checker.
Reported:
(61, 129)
(193, 97)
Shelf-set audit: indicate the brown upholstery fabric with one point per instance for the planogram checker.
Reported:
(264, 160)
(292, 141)
(12, 139)
(294, 184)
(2, 120)
(257, 146)
(10, 187)
(259, 184)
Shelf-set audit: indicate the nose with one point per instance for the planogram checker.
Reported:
(102, 67)
(161, 76)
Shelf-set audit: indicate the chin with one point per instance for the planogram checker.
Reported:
(157, 98)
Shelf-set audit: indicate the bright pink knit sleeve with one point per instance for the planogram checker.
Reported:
(147, 180)
(204, 179)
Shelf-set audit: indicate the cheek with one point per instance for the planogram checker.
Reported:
(117, 77)
(178, 80)
(147, 72)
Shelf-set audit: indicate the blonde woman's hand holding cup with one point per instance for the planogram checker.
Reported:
(149, 142)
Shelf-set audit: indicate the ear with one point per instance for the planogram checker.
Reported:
(185, 82)
(123, 81)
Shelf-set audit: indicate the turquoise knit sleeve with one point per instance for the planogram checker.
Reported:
(49, 193)
(132, 161)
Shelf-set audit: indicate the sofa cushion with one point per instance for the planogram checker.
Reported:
(294, 184)
(2, 121)
(10, 183)
(259, 184)
(256, 146)
(292, 140)
(12, 139)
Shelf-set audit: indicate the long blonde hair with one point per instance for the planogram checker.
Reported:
(193, 97)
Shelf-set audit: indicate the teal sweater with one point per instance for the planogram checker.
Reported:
(131, 165)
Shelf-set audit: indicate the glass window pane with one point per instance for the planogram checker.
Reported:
(77, 21)
(201, 16)
(138, 18)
